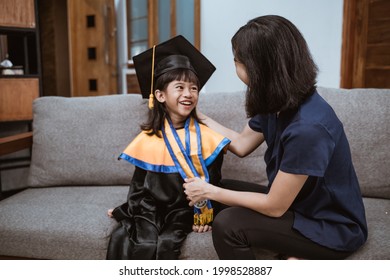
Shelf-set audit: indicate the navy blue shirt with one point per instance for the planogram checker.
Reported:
(311, 141)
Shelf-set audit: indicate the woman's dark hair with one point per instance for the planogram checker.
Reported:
(280, 69)
(158, 114)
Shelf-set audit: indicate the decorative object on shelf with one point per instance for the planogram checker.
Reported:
(7, 68)
(6, 63)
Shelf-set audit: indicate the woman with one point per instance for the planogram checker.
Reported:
(312, 207)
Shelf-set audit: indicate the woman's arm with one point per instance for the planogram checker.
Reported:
(242, 144)
(284, 190)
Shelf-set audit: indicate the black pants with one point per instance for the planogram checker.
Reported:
(236, 230)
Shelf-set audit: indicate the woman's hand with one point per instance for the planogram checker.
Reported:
(202, 116)
(196, 190)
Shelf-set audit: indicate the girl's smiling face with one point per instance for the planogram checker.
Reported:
(180, 98)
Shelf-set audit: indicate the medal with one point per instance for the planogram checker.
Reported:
(189, 161)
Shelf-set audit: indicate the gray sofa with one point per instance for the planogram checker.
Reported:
(74, 176)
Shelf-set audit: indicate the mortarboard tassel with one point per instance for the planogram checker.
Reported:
(151, 99)
(151, 95)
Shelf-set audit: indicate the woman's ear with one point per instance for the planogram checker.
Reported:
(160, 96)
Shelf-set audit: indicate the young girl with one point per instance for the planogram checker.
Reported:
(312, 207)
(173, 145)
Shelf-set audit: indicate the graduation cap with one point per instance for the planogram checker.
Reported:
(176, 53)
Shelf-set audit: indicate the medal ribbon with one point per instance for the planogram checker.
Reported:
(189, 161)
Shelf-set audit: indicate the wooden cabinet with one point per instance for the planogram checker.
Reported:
(19, 86)
(16, 98)
(19, 42)
(17, 13)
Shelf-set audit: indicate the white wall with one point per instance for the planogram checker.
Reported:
(319, 21)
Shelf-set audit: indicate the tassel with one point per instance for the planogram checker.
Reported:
(151, 96)
(151, 99)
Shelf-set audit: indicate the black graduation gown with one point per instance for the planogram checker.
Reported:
(156, 218)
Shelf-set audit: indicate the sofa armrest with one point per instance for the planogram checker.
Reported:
(14, 143)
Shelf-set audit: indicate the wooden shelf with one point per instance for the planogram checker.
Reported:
(10, 29)
(30, 76)
(14, 143)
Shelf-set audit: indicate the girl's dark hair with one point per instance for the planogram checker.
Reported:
(280, 69)
(158, 114)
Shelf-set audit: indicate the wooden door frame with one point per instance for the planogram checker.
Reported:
(92, 47)
(354, 43)
(153, 22)
(153, 35)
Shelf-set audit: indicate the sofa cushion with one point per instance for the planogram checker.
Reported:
(71, 223)
(366, 118)
(60, 222)
(377, 246)
(77, 141)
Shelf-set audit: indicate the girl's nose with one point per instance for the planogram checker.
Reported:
(188, 92)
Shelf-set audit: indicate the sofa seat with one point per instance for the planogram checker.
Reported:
(77, 226)
(59, 222)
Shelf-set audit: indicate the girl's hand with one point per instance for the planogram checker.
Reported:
(196, 190)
